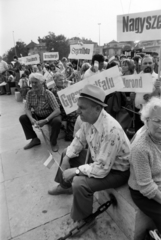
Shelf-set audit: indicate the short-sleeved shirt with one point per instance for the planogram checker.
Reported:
(43, 104)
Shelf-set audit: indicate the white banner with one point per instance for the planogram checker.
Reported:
(109, 80)
(142, 26)
(21, 60)
(142, 83)
(84, 51)
(30, 60)
(50, 56)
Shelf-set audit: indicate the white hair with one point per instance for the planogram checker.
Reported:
(154, 103)
(37, 76)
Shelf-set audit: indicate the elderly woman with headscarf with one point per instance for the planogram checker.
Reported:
(41, 108)
(145, 177)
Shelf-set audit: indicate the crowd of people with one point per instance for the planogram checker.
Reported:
(102, 125)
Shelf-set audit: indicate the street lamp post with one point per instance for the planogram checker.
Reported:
(99, 32)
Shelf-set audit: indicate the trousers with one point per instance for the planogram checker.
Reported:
(150, 207)
(85, 187)
(55, 124)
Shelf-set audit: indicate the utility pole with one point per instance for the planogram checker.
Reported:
(99, 32)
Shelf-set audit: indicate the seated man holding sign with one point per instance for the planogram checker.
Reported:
(108, 161)
(46, 111)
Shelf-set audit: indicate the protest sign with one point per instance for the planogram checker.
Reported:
(30, 60)
(142, 26)
(109, 80)
(138, 83)
(50, 56)
(84, 51)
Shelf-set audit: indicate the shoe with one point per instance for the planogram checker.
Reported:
(34, 142)
(55, 148)
(8, 93)
(59, 190)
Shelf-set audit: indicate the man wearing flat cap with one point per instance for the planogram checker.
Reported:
(108, 162)
(46, 111)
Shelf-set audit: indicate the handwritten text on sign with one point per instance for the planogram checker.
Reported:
(137, 83)
(30, 60)
(84, 51)
(139, 26)
(50, 56)
(109, 80)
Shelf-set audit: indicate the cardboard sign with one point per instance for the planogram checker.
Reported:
(84, 51)
(33, 59)
(142, 83)
(139, 26)
(30, 60)
(50, 56)
(109, 80)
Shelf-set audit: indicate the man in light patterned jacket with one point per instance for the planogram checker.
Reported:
(108, 162)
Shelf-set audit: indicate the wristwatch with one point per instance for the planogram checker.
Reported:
(77, 172)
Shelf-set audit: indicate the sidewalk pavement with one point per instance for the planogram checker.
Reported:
(26, 209)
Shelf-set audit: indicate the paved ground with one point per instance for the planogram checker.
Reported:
(26, 210)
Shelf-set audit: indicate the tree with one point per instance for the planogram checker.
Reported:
(21, 50)
(57, 44)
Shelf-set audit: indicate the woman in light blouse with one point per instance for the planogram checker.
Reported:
(145, 160)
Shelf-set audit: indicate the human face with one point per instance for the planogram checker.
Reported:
(87, 112)
(101, 65)
(147, 65)
(36, 84)
(125, 67)
(154, 123)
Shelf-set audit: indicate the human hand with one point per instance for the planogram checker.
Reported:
(68, 174)
(41, 123)
(65, 163)
(33, 121)
(158, 83)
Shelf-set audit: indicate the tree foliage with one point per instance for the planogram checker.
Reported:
(19, 50)
(53, 44)
(57, 44)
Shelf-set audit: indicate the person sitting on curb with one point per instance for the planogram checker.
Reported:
(46, 111)
(145, 163)
(108, 164)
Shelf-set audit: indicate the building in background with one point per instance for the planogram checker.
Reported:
(130, 49)
(37, 48)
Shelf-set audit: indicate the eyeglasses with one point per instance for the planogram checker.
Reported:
(156, 121)
(146, 63)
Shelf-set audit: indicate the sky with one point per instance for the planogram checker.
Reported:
(27, 20)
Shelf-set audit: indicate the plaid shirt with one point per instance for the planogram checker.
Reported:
(43, 104)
